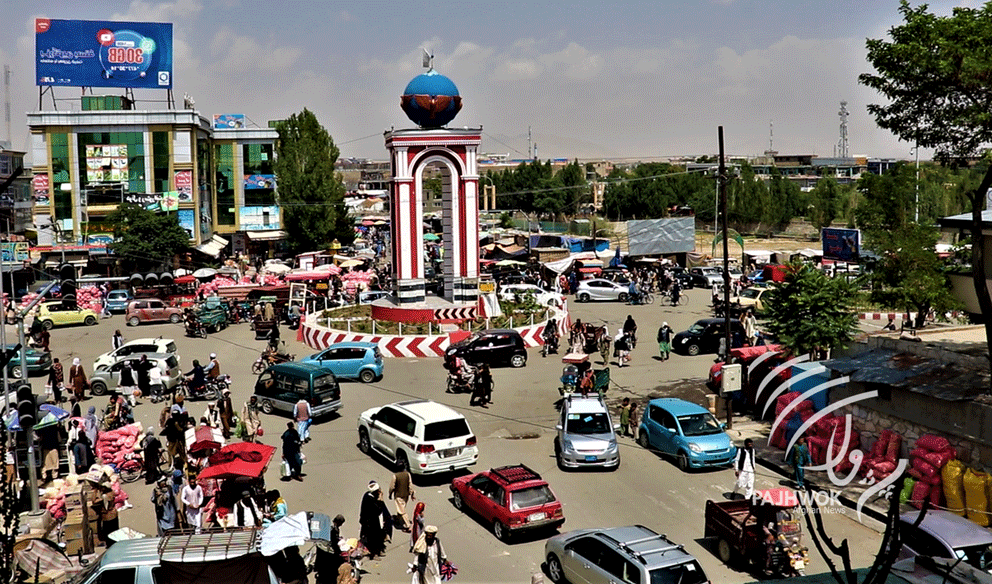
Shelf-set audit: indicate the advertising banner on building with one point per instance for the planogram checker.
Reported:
(184, 185)
(229, 121)
(841, 244)
(42, 189)
(260, 181)
(15, 253)
(106, 163)
(96, 53)
(187, 220)
(259, 218)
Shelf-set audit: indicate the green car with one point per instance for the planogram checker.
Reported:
(37, 362)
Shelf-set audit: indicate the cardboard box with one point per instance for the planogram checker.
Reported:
(74, 517)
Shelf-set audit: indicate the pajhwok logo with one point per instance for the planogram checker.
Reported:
(835, 452)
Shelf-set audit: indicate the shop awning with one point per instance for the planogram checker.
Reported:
(213, 247)
(54, 262)
(270, 235)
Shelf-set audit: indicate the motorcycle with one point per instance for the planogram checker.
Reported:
(195, 328)
(269, 358)
(550, 345)
(207, 392)
(463, 382)
(219, 384)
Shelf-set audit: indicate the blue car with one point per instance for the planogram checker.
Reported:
(117, 300)
(687, 432)
(361, 361)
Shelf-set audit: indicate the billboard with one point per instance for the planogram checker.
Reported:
(184, 185)
(97, 53)
(841, 244)
(40, 184)
(227, 121)
(258, 218)
(106, 163)
(260, 181)
(187, 220)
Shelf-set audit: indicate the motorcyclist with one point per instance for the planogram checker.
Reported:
(550, 336)
(196, 377)
(633, 292)
(212, 370)
(294, 315)
(461, 372)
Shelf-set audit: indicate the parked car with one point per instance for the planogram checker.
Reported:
(752, 297)
(118, 300)
(687, 432)
(943, 534)
(512, 292)
(151, 310)
(586, 435)
(370, 296)
(512, 499)
(57, 314)
(37, 362)
(361, 361)
(600, 289)
(137, 347)
(109, 377)
(684, 278)
(704, 336)
(493, 347)
(423, 436)
(632, 554)
(706, 277)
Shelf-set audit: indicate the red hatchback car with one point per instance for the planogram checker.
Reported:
(511, 498)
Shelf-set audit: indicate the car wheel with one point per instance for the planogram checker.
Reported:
(724, 551)
(133, 321)
(174, 319)
(555, 571)
(682, 460)
(364, 444)
(15, 371)
(98, 388)
(402, 462)
(367, 376)
(622, 297)
(90, 321)
(267, 406)
(584, 297)
(518, 361)
(693, 350)
(500, 531)
(644, 441)
(47, 325)
(458, 501)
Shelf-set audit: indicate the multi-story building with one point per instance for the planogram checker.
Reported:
(15, 198)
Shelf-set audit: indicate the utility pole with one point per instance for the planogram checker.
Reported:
(722, 181)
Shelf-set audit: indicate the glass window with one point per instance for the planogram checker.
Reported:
(118, 576)
(531, 497)
(446, 429)
(699, 424)
(160, 161)
(688, 573)
(597, 423)
(225, 183)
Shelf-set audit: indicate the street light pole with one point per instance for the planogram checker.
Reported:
(722, 184)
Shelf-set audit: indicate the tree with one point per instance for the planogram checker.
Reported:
(827, 202)
(811, 313)
(145, 240)
(310, 193)
(934, 72)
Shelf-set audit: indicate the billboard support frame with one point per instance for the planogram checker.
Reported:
(128, 94)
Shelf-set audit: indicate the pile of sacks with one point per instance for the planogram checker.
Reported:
(928, 462)
(113, 446)
(210, 288)
(882, 459)
(355, 282)
(819, 435)
(90, 297)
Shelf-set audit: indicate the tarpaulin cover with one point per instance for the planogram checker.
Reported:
(250, 569)
(241, 459)
(747, 354)
(661, 236)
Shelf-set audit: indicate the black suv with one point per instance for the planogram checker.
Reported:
(704, 336)
(493, 347)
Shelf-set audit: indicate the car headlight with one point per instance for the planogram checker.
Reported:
(695, 447)
(612, 445)
(566, 445)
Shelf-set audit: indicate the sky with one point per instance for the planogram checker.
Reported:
(628, 79)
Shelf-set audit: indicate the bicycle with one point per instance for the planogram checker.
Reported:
(133, 467)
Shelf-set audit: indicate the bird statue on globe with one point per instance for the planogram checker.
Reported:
(430, 99)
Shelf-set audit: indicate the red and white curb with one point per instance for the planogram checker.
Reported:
(898, 315)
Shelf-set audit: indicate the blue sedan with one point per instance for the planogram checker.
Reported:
(687, 432)
(361, 361)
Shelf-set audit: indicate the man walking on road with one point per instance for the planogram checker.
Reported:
(665, 341)
(302, 414)
(744, 469)
(226, 409)
(401, 491)
(291, 452)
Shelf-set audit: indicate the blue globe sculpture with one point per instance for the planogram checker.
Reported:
(431, 100)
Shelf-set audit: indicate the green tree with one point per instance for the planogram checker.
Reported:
(145, 240)
(810, 312)
(827, 202)
(933, 72)
(310, 193)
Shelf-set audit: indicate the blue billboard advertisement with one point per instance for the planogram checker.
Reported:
(841, 244)
(97, 53)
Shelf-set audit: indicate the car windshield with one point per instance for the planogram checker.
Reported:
(979, 556)
(750, 293)
(531, 497)
(598, 423)
(697, 329)
(699, 424)
(687, 573)
(446, 429)
(171, 347)
(171, 362)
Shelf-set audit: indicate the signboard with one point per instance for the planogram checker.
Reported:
(258, 218)
(487, 287)
(96, 53)
(260, 181)
(14, 253)
(184, 185)
(229, 121)
(841, 244)
(187, 220)
(41, 186)
(143, 199)
(106, 163)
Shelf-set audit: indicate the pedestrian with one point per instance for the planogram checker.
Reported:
(329, 556)
(291, 452)
(630, 330)
(165, 506)
(246, 513)
(744, 469)
(251, 419)
(226, 409)
(665, 341)
(799, 458)
(50, 446)
(155, 381)
(77, 379)
(117, 340)
(302, 414)
(141, 369)
(56, 378)
(151, 448)
(401, 491)
(370, 518)
(126, 384)
(175, 431)
(211, 416)
(750, 327)
(621, 348)
(192, 498)
(82, 454)
(625, 417)
(635, 420)
(277, 507)
(430, 557)
(417, 523)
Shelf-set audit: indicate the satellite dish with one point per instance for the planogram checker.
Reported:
(428, 59)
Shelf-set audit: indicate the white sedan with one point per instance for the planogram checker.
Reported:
(512, 292)
(600, 289)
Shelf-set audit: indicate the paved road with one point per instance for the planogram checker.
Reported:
(518, 427)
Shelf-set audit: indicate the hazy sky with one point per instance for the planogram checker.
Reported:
(592, 79)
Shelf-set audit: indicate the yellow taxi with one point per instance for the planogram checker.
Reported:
(56, 314)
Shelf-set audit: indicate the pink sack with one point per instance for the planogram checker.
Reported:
(893, 448)
(921, 491)
(924, 467)
(933, 443)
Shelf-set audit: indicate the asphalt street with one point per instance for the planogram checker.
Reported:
(518, 427)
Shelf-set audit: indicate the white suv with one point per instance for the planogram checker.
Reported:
(136, 347)
(420, 435)
(586, 435)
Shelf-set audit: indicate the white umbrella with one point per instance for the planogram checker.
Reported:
(276, 268)
(205, 273)
(350, 263)
(181, 272)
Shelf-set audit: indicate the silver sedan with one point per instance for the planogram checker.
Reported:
(600, 289)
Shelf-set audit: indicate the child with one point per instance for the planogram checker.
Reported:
(625, 417)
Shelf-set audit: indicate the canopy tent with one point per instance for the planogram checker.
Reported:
(185, 280)
(276, 268)
(213, 247)
(241, 459)
(269, 235)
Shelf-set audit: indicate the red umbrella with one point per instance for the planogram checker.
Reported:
(242, 459)
(184, 280)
